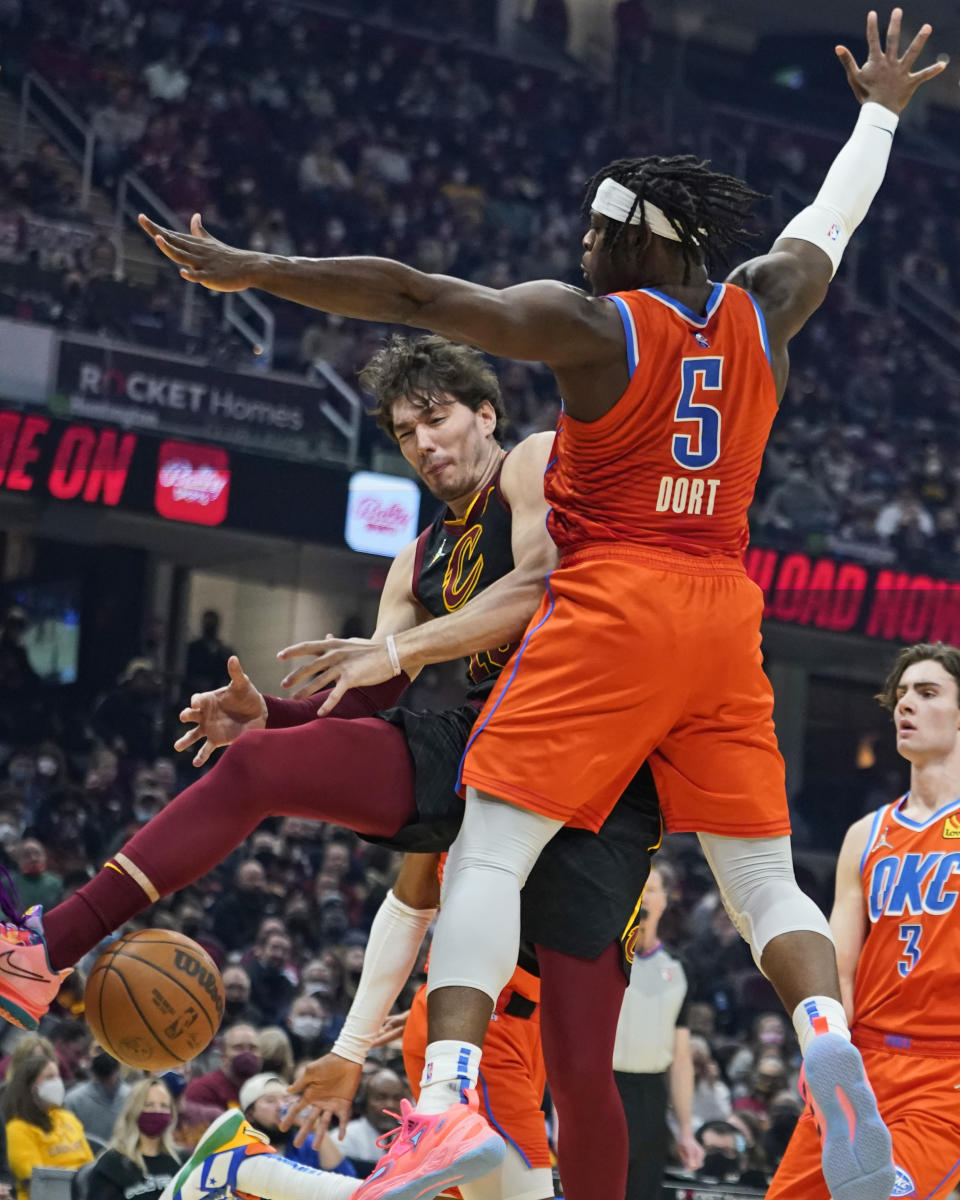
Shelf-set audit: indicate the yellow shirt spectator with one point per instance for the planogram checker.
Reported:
(40, 1132)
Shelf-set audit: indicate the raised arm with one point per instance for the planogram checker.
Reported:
(848, 918)
(541, 321)
(791, 281)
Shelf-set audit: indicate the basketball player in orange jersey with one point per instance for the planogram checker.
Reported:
(896, 924)
(467, 585)
(647, 643)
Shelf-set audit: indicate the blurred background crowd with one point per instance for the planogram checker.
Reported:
(301, 132)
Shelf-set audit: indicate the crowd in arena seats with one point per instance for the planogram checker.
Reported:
(296, 131)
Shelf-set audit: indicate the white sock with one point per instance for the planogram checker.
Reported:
(450, 1068)
(274, 1177)
(816, 1015)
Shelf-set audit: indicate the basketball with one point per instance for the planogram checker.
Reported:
(154, 999)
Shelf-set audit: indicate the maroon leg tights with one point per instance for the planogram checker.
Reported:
(580, 1008)
(356, 773)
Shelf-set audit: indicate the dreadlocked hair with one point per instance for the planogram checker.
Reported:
(706, 208)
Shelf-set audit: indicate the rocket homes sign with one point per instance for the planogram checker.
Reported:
(174, 396)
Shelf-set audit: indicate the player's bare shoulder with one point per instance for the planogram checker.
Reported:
(856, 838)
(526, 464)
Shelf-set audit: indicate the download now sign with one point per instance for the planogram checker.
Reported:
(827, 593)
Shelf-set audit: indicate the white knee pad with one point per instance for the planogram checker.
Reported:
(497, 836)
(478, 933)
(759, 890)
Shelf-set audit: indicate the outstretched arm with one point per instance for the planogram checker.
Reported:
(791, 281)
(542, 321)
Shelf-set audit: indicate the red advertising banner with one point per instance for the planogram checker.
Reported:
(827, 593)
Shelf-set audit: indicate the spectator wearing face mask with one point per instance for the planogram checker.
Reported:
(40, 1131)
(724, 1149)
(34, 883)
(141, 1158)
(239, 1061)
(768, 1077)
(271, 988)
(263, 1100)
(769, 1033)
(99, 1100)
(309, 1026)
(237, 1008)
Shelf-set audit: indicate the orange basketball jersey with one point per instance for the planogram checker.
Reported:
(908, 975)
(675, 462)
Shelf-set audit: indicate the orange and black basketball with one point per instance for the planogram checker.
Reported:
(154, 999)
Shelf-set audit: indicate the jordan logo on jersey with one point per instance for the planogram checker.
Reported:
(951, 826)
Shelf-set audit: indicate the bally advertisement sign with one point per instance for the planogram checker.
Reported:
(173, 396)
(382, 513)
(108, 467)
(99, 468)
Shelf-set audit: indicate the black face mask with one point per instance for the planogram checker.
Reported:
(103, 1066)
(718, 1165)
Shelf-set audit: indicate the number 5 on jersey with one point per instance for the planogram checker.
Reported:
(700, 448)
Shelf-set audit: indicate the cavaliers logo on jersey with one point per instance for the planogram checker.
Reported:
(629, 941)
(951, 826)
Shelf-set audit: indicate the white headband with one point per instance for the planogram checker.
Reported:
(615, 201)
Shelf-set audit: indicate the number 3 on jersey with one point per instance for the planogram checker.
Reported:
(910, 936)
(700, 449)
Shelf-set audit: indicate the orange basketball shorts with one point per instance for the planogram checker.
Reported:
(512, 1076)
(919, 1099)
(638, 655)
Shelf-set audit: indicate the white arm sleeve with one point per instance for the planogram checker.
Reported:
(850, 186)
(395, 939)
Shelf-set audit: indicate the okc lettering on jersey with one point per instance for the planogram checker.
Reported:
(912, 885)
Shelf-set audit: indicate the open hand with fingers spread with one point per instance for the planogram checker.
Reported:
(222, 715)
(324, 1089)
(203, 258)
(340, 663)
(886, 78)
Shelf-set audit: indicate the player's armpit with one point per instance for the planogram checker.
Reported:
(521, 482)
(790, 283)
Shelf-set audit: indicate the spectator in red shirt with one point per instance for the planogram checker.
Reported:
(239, 1061)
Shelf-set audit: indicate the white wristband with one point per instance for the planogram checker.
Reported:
(394, 656)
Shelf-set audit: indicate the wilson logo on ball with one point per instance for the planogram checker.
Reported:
(196, 970)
